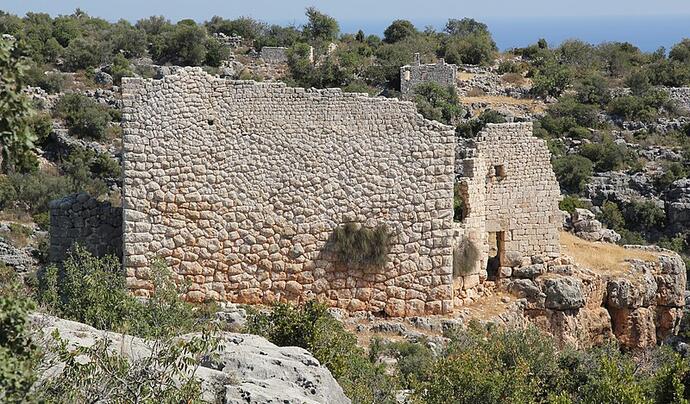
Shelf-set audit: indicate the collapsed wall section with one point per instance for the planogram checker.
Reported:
(240, 185)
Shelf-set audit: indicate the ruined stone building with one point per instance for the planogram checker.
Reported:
(440, 72)
(240, 187)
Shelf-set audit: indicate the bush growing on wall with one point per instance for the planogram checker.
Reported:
(360, 246)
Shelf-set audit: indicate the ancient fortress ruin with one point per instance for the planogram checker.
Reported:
(240, 187)
(440, 73)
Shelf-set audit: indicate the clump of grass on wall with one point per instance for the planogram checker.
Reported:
(360, 246)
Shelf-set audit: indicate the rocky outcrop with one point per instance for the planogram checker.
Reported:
(252, 369)
(586, 226)
(21, 259)
(640, 307)
(678, 205)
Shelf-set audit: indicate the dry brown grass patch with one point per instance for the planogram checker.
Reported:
(465, 76)
(601, 257)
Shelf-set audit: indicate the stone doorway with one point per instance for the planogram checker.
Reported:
(497, 253)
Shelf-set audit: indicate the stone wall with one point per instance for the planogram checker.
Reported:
(274, 54)
(239, 186)
(417, 73)
(79, 218)
(511, 191)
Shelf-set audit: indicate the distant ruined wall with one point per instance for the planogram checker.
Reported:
(441, 73)
(239, 185)
(82, 219)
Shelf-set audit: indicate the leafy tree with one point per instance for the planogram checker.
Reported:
(612, 216)
(551, 80)
(16, 139)
(246, 27)
(66, 28)
(593, 89)
(474, 48)
(573, 172)
(216, 53)
(320, 27)
(183, 45)
(19, 356)
(681, 51)
(466, 27)
(437, 102)
(606, 155)
(399, 30)
(84, 53)
(129, 40)
(644, 216)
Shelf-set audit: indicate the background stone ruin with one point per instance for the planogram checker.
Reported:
(274, 54)
(82, 219)
(441, 73)
(239, 185)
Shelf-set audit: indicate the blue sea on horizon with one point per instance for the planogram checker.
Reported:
(646, 32)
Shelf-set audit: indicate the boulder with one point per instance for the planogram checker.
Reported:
(636, 289)
(563, 292)
(103, 78)
(526, 288)
(677, 205)
(513, 259)
(529, 272)
(248, 369)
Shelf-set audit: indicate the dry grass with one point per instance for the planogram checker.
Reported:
(476, 92)
(465, 76)
(515, 79)
(533, 105)
(601, 257)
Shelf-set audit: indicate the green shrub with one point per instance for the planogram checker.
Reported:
(87, 289)
(51, 82)
(551, 80)
(93, 291)
(414, 359)
(569, 203)
(605, 155)
(33, 192)
(472, 127)
(84, 116)
(41, 126)
(19, 356)
(508, 66)
(573, 172)
(437, 102)
(475, 49)
(360, 246)
(85, 53)
(612, 216)
(644, 216)
(672, 172)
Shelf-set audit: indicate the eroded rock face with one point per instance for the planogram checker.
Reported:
(249, 369)
(640, 307)
(586, 226)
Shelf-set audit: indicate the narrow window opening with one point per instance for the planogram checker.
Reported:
(500, 171)
(496, 253)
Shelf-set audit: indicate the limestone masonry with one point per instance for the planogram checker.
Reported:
(274, 54)
(239, 185)
(441, 73)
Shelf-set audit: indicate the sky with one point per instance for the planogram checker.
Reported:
(647, 23)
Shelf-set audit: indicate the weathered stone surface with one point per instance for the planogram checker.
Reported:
(513, 259)
(417, 73)
(634, 328)
(562, 292)
(202, 190)
(529, 272)
(526, 288)
(634, 290)
(249, 369)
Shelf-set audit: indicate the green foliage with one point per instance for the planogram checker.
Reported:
(465, 27)
(182, 45)
(399, 30)
(311, 327)
(216, 53)
(551, 80)
(87, 289)
(414, 359)
(93, 290)
(612, 216)
(437, 102)
(681, 52)
(472, 127)
(51, 82)
(606, 155)
(459, 212)
(127, 40)
(120, 68)
(569, 203)
(84, 53)
(593, 89)
(85, 117)
(16, 138)
(360, 246)
(572, 172)
(475, 49)
(166, 374)
(488, 367)
(671, 173)
(319, 26)
(644, 216)
(18, 354)
(41, 125)
(32, 192)
(246, 27)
